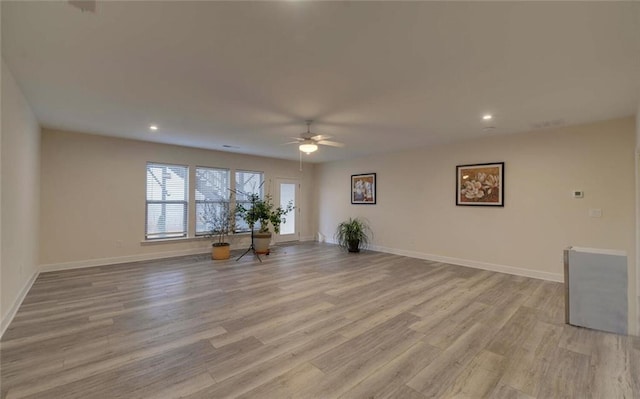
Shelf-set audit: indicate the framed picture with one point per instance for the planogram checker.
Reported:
(363, 189)
(480, 184)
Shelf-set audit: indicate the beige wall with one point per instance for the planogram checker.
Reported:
(20, 158)
(638, 215)
(93, 196)
(416, 213)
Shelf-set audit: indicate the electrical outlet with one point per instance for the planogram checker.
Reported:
(118, 243)
(595, 213)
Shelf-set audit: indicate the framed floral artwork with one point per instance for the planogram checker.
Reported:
(480, 184)
(363, 189)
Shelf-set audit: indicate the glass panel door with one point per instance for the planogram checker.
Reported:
(288, 193)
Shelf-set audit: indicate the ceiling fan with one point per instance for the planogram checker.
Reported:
(308, 142)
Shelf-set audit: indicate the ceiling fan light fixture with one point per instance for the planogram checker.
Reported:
(308, 147)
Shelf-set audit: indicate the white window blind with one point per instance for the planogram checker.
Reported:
(167, 201)
(212, 197)
(247, 182)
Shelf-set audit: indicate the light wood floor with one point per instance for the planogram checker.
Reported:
(309, 322)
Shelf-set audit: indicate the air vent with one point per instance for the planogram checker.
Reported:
(84, 5)
(547, 124)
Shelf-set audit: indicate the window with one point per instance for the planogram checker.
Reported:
(247, 183)
(167, 200)
(212, 197)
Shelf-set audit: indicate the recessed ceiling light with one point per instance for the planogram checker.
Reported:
(487, 117)
(153, 127)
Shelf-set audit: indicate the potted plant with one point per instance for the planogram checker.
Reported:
(353, 234)
(219, 221)
(263, 211)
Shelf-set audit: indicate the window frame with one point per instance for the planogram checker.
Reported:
(185, 202)
(197, 201)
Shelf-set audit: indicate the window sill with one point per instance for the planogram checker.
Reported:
(172, 240)
(161, 241)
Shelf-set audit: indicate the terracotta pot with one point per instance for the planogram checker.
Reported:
(221, 251)
(261, 243)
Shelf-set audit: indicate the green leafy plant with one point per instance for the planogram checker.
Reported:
(263, 211)
(353, 234)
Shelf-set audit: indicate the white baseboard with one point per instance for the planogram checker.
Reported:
(558, 277)
(412, 254)
(6, 319)
(52, 267)
(517, 271)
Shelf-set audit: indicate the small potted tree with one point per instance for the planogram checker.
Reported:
(353, 234)
(219, 221)
(263, 211)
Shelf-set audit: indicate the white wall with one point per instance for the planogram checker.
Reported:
(93, 197)
(20, 165)
(416, 213)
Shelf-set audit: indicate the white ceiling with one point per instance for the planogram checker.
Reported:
(378, 76)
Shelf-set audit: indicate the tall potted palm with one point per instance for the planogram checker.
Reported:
(353, 234)
(263, 211)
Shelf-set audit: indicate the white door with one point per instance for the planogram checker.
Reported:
(288, 192)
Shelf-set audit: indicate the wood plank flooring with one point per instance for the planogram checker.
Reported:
(309, 322)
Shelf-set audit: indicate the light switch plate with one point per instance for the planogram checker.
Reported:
(595, 213)
(577, 194)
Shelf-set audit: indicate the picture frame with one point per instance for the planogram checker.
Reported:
(480, 184)
(363, 189)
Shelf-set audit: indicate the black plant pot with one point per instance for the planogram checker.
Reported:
(353, 246)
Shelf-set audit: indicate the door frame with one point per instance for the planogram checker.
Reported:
(278, 238)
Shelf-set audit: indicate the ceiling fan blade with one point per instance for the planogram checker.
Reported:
(298, 138)
(331, 143)
(291, 142)
(319, 137)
